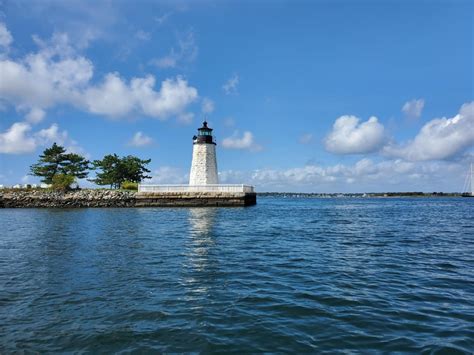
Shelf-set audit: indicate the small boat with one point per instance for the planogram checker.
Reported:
(469, 183)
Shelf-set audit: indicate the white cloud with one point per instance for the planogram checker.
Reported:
(5, 37)
(35, 115)
(16, 139)
(185, 52)
(112, 97)
(140, 139)
(413, 108)
(230, 86)
(363, 176)
(306, 138)
(168, 61)
(43, 79)
(56, 74)
(348, 136)
(207, 105)
(115, 98)
(441, 138)
(169, 175)
(51, 135)
(247, 142)
(19, 139)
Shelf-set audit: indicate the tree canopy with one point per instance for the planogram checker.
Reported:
(114, 171)
(55, 160)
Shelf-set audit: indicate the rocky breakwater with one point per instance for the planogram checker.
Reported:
(70, 199)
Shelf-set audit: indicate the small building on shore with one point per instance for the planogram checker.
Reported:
(203, 188)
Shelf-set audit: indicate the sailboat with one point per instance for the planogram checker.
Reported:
(469, 183)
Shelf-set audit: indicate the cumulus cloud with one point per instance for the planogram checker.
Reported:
(140, 139)
(439, 139)
(35, 115)
(230, 86)
(169, 175)
(186, 51)
(413, 108)
(18, 139)
(45, 78)
(56, 74)
(115, 98)
(247, 142)
(348, 136)
(207, 105)
(51, 135)
(5, 36)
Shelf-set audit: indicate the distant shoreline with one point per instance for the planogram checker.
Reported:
(361, 194)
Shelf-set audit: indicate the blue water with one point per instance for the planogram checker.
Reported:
(288, 275)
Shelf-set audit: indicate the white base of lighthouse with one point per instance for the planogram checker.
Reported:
(204, 165)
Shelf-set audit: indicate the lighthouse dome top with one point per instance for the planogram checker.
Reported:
(204, 135)
(205, 127)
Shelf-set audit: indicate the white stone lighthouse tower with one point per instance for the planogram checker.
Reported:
(204, 165)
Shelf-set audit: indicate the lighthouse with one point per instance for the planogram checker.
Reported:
(204, 188)
(204, 164)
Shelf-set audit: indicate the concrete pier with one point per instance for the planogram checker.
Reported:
(195, 199)
(196, 195)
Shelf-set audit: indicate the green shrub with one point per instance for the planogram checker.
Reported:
(62, 182)
(128, 185)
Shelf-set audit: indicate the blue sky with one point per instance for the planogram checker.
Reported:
(320, 96)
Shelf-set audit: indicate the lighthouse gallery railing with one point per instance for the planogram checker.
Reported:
(196, 188)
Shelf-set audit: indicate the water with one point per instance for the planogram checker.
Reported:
(288, 275)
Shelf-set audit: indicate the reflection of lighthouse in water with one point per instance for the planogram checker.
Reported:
(201, 223)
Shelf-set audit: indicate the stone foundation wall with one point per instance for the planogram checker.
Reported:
(196, 199)
(114, 198)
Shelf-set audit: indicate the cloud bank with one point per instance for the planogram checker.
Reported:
(56, 74)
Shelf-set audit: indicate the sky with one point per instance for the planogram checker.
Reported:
(303, 96)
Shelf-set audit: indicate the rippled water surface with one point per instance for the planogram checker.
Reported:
(299, 275)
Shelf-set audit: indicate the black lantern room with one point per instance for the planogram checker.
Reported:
(204, 135)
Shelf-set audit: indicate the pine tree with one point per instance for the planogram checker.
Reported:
(56, 161)
(114, 170)
(109, 174)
